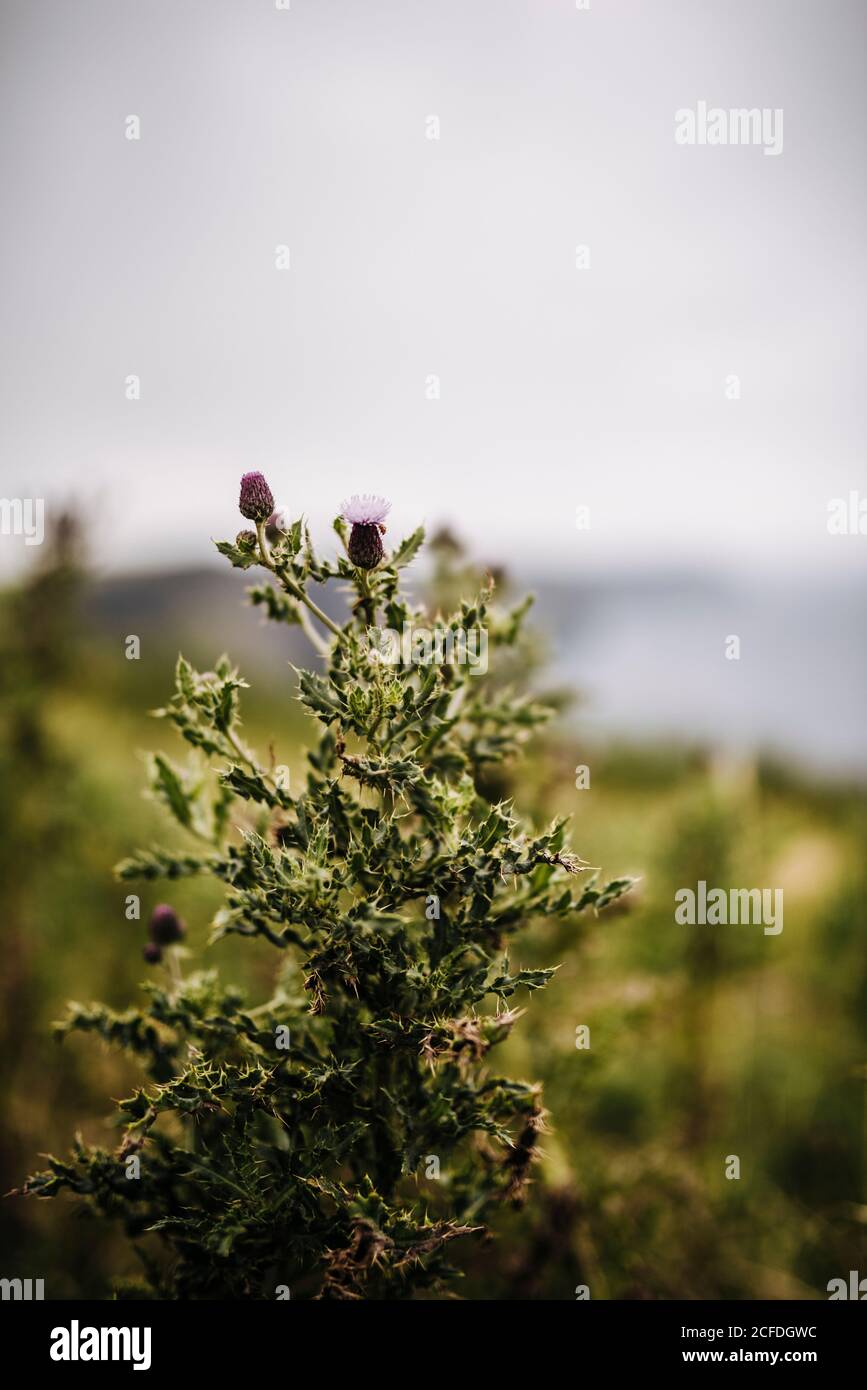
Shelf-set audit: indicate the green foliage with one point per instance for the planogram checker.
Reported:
(391, 885)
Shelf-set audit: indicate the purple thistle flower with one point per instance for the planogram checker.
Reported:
(257, 500)
(367, 514)
(165, 925)
(365, 509)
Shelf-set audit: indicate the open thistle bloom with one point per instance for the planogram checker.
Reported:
(257, 500)
(166, 926)
(367, 514)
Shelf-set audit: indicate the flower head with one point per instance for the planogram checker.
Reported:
(152, 953)
(165, 925)
(257, 500)
(365, 510)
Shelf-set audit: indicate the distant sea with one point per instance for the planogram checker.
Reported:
(648, 655)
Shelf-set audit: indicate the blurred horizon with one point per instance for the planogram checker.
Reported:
(645, 651)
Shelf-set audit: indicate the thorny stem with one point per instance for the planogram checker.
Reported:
(220, 1177)
(246, 757)
(242, 753)
(367, 603)
(297, 593)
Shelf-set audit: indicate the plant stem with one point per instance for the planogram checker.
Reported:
(310, 632)
(367, 603)
(175, 974)
(296, 591)
(317, 612)
(242, 753)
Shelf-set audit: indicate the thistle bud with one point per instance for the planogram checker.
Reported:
(166, 926)
(246, 540)
(257, 500)
(153, 953)
(367, 515)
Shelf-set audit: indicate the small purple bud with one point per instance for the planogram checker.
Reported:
(246, 540)
(153, 953)
(257, 500)
(166, 926)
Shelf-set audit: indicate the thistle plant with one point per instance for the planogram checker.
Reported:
(337, 1139)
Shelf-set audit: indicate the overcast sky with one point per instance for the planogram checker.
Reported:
(413, 257)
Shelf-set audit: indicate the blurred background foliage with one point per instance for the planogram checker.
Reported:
(704, 1042)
